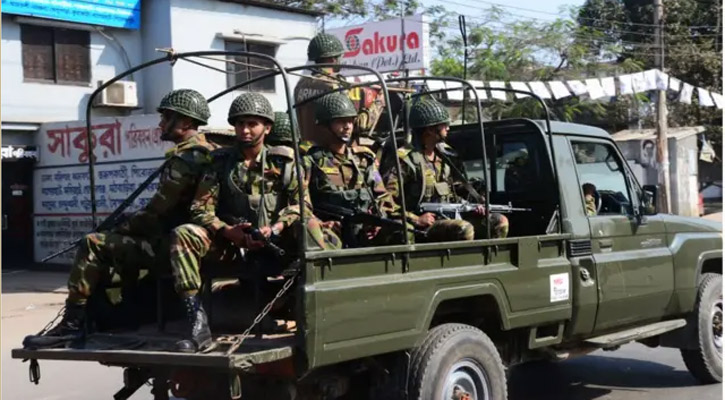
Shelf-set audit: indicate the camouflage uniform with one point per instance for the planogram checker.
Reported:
(429, 181)
(366, 100)
(141, 241)
(590, 204)
(349, 180)
(265, 193)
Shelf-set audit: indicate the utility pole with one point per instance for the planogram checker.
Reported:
(663, 160)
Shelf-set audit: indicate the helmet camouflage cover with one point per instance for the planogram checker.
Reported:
(282, 129)
(186, 102)
(333, 106)
(324, 45)
(428, 112)
(250, 104)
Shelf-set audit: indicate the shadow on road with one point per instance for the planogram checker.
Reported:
(23, 281)
(592, 377)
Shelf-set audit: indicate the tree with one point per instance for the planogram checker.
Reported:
(693, 33)
(523, 51)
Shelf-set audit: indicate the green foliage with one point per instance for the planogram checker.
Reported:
(693, 51)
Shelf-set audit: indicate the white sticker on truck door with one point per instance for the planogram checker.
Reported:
(559, 287)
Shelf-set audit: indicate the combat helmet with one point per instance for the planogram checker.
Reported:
(324, 45)
(282, 130)
(250, 104)
(428, 112)
(333, 106)
(187, 102)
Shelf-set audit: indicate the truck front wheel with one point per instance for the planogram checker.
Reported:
(705, 362)
(456, 362)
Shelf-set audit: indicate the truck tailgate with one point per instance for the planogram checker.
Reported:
(137, 350)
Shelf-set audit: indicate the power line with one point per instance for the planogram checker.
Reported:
(594, 19)
(559, 15)
(577, 34)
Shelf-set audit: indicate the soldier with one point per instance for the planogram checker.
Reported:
(590, 199)
(281, 133)
(345, 175)
(428, 176)
(327, 49)
(137, 242)
(250, 182)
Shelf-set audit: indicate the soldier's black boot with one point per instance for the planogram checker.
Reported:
(198, 332)
(71, 327)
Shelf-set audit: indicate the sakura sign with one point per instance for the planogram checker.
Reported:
(383, 46)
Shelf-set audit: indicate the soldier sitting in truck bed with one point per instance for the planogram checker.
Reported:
(139, 241)
(430, 176)
(252, 183)
(345, 176)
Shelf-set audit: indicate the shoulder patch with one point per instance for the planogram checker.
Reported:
(197, 155)
(282, 151)
(362, 150)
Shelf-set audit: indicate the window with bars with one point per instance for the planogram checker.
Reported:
(55, 55)
(245, 68)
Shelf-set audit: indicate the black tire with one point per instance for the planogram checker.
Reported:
(705, 362)
(456, 354)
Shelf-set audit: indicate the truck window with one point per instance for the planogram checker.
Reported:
(603, 182)
(514, 169)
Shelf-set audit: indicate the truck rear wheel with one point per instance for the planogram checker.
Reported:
(705, 362)
(456, 362)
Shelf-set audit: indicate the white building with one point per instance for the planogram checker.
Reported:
(51, 66)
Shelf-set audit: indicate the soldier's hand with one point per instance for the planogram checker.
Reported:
(480, 210)
(336, 226)
(372, 232)
(236, 235)
(426, 220)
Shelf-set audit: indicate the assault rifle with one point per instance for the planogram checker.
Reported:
(116, 216)
(351, 216)
(256, 234)
(454, 210)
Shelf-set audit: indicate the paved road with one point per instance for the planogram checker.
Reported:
(635, 372)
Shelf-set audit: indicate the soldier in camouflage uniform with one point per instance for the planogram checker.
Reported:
(327, 49)
(141, 242)
(428, 177)
(250, 182)
(345, 175)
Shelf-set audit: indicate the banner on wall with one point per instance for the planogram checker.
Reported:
(385, 46)
(126, 150)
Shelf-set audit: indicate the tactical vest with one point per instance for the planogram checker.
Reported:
(418, 191)
(360, 198)
(259, 209)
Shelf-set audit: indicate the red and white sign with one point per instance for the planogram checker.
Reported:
(126, 149)
(383, 46)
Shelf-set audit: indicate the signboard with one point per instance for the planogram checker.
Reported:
(127, 150)
(115, 13)
(381, 46)
(16, 153)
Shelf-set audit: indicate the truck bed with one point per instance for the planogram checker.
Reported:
(148, 347)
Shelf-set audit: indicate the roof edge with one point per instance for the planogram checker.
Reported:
(274, 6)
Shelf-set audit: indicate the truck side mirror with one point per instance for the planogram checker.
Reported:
(649, 200)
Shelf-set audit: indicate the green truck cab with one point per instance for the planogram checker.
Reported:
(445, 320)
(596, 281)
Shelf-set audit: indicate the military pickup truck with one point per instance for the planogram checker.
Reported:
(446, 320)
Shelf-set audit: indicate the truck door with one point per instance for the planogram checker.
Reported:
(634, 267)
